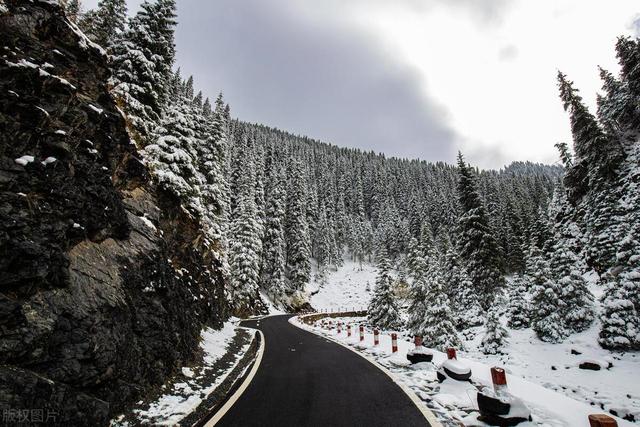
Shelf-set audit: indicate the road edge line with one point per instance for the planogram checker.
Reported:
(236, 395)
(426, 412)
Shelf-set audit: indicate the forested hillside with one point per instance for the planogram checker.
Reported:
(272, 202)
(317, 200)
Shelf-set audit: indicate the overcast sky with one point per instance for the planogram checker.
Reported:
(410, 78)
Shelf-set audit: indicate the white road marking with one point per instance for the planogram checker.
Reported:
(232, 400)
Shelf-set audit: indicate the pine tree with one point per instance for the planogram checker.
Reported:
(142, 64)
(173, 157)
(567, 266)
(621, 299)
(519, 309)
(460, 290)
(437, 328)
(593, 177)
(418, 291)
(274, 266)
(297, 232)
(383, 310)
(546, 303)
(477, 243)
(578, 301)
(495, 336)
(322, 239)
(245, 248)
(211, 148)
(108, 23)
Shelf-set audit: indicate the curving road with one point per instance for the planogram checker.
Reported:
(306, 380)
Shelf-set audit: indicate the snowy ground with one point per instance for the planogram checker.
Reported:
(453, 400)
(185, 393)
(613, 389)
(344, 289)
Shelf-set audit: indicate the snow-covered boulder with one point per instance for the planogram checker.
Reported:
(454, 369)
(501, 409)
(420, 354)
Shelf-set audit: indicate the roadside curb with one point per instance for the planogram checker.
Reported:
(428, 415)
(238, 387)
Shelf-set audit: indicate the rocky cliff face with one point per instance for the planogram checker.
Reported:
(104, 283)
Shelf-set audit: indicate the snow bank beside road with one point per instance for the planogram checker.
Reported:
(195, 383)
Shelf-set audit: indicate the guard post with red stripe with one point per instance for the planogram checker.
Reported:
(348, 330)
(451, 353)
(361, 333)
(499, 379)
(394, 342)
(376, 337)
(339, 327)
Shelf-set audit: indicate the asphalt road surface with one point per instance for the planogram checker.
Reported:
(306, 380)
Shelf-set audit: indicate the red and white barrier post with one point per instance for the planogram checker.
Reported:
(394, 342)
(602, 420)
(339, 327)
(417, 341)
(348, 330)
(376, 337)
(361, 333)
(451, 353)
(499, 380)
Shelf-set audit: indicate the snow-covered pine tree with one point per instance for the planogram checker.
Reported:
(438, 328)
(245, 248)
(593, 180)
(108, 23)
(546, 302)
(323, 242)
(383, 310)
(619, 317)
(173, 156)
(567, 267)
(519, 310)
(478, 246)
(211, 149)
(628, 53)
(418, 270)
(273, 279)
(414, 257)
(513, 239)
(141, 65)
(464, 299)
(297, 231)
(621, 299)
(495, 335)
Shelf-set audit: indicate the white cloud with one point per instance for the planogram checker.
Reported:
(506, 106)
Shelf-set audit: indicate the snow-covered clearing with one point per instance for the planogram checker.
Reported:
(191, 388)
(453, 400)
(348, 288)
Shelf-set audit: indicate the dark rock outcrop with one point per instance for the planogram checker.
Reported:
(104, 280)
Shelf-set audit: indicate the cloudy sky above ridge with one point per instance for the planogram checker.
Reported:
(410, 78)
